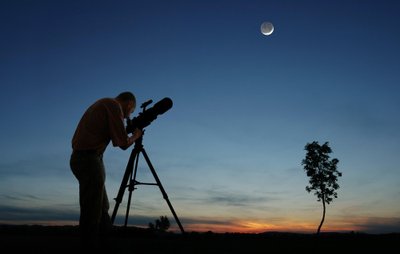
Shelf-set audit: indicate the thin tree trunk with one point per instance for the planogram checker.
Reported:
(323, 216)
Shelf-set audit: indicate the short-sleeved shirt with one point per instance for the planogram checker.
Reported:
(102, 122)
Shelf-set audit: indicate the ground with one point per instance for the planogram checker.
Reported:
(65, 239)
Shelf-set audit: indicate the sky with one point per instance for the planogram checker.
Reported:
(229, 151)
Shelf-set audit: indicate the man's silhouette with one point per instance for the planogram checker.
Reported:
(102, 122)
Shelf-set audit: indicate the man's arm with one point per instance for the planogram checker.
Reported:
(132, 139)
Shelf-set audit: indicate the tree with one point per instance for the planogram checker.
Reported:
(161, 224)
(323, 174)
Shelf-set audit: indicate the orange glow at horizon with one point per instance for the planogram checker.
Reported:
(248, 226)
(255, 227)
(238, 226)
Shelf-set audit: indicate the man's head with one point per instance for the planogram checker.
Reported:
(128, 103)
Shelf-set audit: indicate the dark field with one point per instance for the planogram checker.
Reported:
(65, 239)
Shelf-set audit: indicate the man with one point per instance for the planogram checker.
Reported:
(102, 122)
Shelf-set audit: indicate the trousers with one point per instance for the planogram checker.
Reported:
(88, 168)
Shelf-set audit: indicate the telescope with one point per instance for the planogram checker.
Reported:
(129, 179)
(145, 117)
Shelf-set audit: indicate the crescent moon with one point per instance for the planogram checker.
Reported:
(267, 28)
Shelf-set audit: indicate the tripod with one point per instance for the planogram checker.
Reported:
(130, 174)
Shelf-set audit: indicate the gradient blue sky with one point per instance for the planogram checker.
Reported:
(229, 151)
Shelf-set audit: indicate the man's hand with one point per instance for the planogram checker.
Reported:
(137, 133)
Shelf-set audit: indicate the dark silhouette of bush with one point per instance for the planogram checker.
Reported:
(161, 225)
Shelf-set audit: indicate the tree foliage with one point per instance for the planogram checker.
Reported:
(322, 172)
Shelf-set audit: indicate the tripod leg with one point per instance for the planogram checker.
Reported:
(165, 196)
(127, 174)
(131, 188)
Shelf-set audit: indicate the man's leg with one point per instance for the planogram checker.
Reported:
(89, 170)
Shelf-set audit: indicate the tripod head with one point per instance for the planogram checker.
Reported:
(139, 142)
